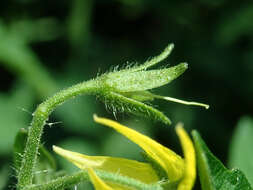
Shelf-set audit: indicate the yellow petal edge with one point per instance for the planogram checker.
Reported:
(172, 163)
(125, 167)
(189, 176)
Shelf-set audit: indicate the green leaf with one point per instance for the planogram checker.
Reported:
(240, 153)
(213, 174)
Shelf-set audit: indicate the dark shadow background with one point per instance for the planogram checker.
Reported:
(49, 45)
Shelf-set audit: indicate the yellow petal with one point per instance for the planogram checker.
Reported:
(130, 168)
(172, 163)
(190, 161)
(97, 182)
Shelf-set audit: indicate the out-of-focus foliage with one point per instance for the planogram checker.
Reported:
(240, 154)
(12, 116)
(18, 57)
(4, 174)
(49, 45)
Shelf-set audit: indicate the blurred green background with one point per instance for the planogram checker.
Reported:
(49, 45)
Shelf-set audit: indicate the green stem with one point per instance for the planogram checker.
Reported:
(61, 182)
(67, 181)
(126, 181)
(40, 117)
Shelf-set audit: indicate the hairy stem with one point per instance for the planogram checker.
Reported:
(70, 180)
(40, 117)
(61, 182)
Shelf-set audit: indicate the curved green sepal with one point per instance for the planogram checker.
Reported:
(141, 96)
(153, 61)
(117, 102)
(128, 81)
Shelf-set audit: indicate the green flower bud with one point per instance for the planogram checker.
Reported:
(126, 90)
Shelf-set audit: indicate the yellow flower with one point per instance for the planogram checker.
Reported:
(177, 169)
(130, 168)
